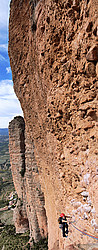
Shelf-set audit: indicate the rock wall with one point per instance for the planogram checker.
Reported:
(29, 212)
(17, 159)
(54, 59)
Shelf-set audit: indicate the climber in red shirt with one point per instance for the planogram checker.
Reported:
(63, 224)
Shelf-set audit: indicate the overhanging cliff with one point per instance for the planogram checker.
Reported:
(54, 59)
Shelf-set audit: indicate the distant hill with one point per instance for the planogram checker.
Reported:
(6, 182)
(3, 131)
(4, 145)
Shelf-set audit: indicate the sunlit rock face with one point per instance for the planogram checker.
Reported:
(53, 53)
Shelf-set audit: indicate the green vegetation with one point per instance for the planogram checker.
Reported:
(10, 240)
(41, 245)
(6, 182)
(6, 186)
(7, 217)
(4, 148)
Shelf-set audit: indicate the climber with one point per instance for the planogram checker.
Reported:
(63, 224)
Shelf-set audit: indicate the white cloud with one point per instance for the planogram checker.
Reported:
(3, 47)
(4, 13)
(8, 69)
(9, 104)
(6, 88)
(2, 58)
(4, 122)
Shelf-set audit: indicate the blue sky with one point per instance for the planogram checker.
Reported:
(9, 104)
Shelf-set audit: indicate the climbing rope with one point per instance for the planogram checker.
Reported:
(92, 236)
(72, 222)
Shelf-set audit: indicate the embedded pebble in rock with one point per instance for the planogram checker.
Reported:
(80, 209)
(85, 194)
(93, 211)
(90, 69)
(86, 178)
(76, 204)
(89, 201)
(93, 223)
(85, 217)
(87, 208)
(92, 54)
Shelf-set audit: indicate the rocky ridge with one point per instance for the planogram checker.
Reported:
(29, 212)
(53, 51)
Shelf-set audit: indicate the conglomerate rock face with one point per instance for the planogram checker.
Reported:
(53, 52)
(17, 158)
(29, 212)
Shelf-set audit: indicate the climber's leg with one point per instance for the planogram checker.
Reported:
(66, 229)
(63, 229)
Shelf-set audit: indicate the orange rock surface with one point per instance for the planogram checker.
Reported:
(53, 53)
